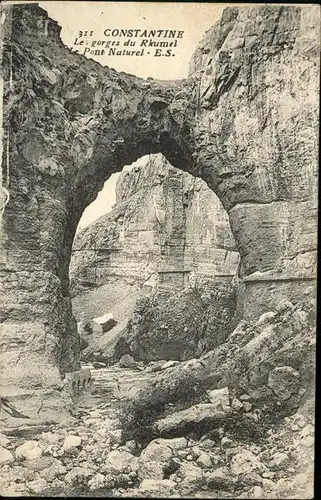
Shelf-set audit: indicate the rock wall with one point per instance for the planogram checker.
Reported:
(245, 121)
(166, 226)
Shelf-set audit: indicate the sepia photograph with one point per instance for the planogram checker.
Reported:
(158, 249)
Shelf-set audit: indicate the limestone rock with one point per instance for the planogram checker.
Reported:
(97, 482)
(162, 486)
(4, 441)
(71, 442)
(30, 450)
(127, 361)
(204, 460)
(121, 461)
(38, 485)
(236, 404)
(193, 415)
(6, 456)
(220, 478)
(284, 382)
(191, 474)
(217, 124)
(220, 397)
(245, 462)
(78, 476)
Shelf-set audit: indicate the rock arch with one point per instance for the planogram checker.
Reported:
(245, 121)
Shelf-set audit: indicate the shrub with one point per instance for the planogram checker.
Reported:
(138, 415)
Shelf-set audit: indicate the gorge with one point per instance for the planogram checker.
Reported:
(238, 137)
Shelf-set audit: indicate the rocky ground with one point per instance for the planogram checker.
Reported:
(90, 458)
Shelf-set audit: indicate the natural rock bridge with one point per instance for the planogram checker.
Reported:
(245, 121)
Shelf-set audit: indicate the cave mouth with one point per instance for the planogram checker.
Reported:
(152, 228)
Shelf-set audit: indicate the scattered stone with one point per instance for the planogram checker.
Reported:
(96, 482)
(247, 406)
(115, 436)
(71, 442)
(220, 398)
(98, 364)
(131, 446)
(158, 450)
(237, 405)
(161, 486)
(284, 305)
(193, 415)
(284, 381)
(204, 461)
(55, 470)
(226, 442)
(245, 462)
(4, 441)
(279, 459)
(6, 456)
(221, 477)
(208, 443)
(127, 361)
(299, 321)
(30, 450)
(266, 318)
(39, 464)
(156, 366)
(191, 473)
(50, 437)
(78, 475)
(151, 470)
(308, 430)
(120, 461)
(37, 485)
(244, 397)
(174, 444)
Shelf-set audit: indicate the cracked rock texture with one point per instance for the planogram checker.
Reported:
(165, 224)
(245, 121)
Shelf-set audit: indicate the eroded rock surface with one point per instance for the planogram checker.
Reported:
(245, 121)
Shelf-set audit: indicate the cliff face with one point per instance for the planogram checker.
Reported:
(165, 227)
(245, 121)
(257, 142)
(167, 231)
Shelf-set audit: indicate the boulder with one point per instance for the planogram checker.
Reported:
(107, 322)
(6, 456)
(37, 485)
(39, 464)
(158, 450)
(220, 398)
(237, 405)
(220, 478)
(30, 450)
(284, 382)
(245, 462)
(150, 470)
(4, 441)
(96, 482)
(191, 474)
(204, 460)
(193, 416)
(78, 476)
(127, 361)
(121, 461)
(156, 366)
(161, 486)
(71, 442)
